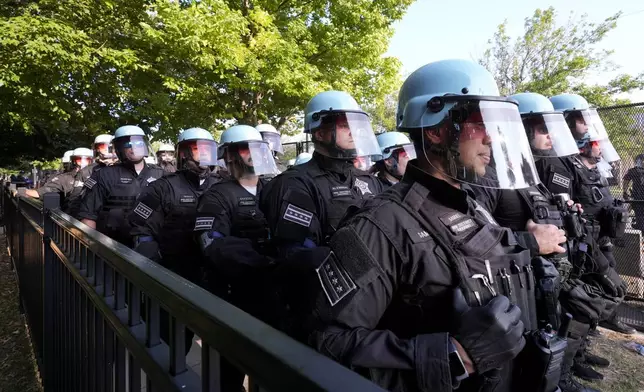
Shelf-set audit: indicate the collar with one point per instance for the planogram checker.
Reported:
(441, 191)
(193, 178)
(326, 164)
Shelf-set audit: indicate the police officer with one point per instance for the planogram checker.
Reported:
(67, 184)
(272, 136)
(163, 217)
(415, 293)
(103, 153)
(304, 205)
(166, 158)
(397, 150)
(111, 192)
(67, 163)
(232, 231)
(635, 175)
(578, 175)
(534, 211)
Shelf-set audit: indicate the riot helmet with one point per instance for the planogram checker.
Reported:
(196, 151)
(397, 150)
(246, 153)
(130, 144)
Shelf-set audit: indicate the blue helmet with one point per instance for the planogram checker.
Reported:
(420, 99)
(130, 144)
(325, 103)
(196, 151)
(569, 102)
(340, 128)
(533, 103)
(195, 134)
(128, 130)
(271, 136)
(303, 158)
(545, 127)
(245, 151)
(453, 111)
(390, 141)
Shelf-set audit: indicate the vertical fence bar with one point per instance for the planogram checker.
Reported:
(152, 335)
(134, 374)
(119, 367)
(108, 350)
(99, 358)
(134, 306)
(210, 369)
(177, 346)
(119, 291)
(50, 202)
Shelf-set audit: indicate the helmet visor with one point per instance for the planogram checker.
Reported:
(549, 135)
(407, 151)
(104, 150)
(81, 161)
(166, 156)
(131, 148)
(349, 134)
(605, 169)
(203, 152)
(586, 122)
(609, 154)
(483, 138)
(274, 141)
(363, 163)
(255, 155)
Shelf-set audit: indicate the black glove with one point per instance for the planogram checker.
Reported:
(149, 249)
(617, 281)
(235, 256)
(492, 334)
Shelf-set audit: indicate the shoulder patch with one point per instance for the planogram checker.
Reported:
(90, 183)
(561, 180)
(151, 179)
(143, 211)
(204, 223)
(335, 280)
(298, 215)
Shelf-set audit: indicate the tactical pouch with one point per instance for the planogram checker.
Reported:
(573, 226)
(547, 287)
(585, 302)
(614, 221)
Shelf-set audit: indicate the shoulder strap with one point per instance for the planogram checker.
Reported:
(412, 202)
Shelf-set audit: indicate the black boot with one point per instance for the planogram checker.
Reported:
(595, 360)
(615, 325)
(585, 372)
(567, 383)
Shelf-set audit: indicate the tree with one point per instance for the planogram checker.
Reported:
(71, 70)
(551, 59)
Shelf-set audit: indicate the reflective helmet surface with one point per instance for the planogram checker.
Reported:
(328, 101)
(569, 102)
(388, 141)
(67, 155)
(303, 158)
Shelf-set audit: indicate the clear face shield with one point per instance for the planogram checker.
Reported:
(605, 169)
(274, 141)
(131, 148)
(81, 162)
(254, 158)
(202, 152)
(165, 156)
(346, 135)
(104, 151)
(586, 124)
(363, 163)
(481, 136)
(549, 135)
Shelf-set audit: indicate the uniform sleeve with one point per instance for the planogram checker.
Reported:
(148, 216)
(213, 213)
(351, 310)
(96, 191)
(292, 211)
(556, 176)
(53, 185)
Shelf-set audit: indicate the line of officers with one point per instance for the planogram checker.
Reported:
(474, 254)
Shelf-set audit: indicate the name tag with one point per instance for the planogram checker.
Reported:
(246, 201)
(187, 199)
(340, 191)
(125, 180)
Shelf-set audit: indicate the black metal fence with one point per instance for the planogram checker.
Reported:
(625, 126)
(93, 308)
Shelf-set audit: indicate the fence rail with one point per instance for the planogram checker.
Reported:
(94, 309)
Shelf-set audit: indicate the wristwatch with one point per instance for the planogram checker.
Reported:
(456, 366)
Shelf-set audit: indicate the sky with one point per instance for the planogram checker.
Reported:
(435, 30)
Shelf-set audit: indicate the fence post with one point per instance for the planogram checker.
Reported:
(51, 201)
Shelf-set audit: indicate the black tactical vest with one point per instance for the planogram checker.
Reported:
(591, 189)
(125, 187)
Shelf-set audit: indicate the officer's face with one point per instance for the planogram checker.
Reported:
(595, 150)
(541, 139)
(167, 156)
(343, 137)
(474, 147)
(402, 157)
(246, 156)
(580, 126)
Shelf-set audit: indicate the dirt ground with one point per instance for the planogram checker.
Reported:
(626, 371)
(17, 364)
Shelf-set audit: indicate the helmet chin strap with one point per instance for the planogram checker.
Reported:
(394, 169)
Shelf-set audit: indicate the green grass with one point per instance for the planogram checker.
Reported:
(18, 371)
